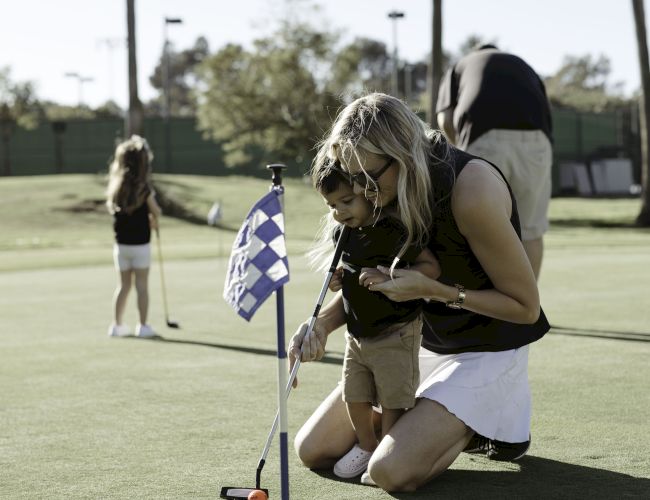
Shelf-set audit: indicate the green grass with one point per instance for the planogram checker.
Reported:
(85, 416)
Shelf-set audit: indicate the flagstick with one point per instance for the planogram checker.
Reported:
(282, 362)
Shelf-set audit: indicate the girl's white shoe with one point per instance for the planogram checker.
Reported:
(353, 463)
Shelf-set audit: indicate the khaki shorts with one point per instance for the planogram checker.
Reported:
(525, 158)
(383, 369)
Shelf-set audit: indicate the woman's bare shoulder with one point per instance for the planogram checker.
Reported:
(479, 191)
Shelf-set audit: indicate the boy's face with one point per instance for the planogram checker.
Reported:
(349, 208)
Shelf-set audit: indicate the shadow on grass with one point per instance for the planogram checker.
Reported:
(536, 478)
(601, 334)
(595, 223)
(328, 358)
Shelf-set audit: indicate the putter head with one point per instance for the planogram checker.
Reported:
(236, 493)
(172, 324)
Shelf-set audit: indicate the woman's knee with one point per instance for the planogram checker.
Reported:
(392, 478)
(306, 449)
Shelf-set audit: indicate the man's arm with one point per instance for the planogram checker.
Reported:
(446, 124)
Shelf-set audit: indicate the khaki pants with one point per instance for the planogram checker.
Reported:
(525, 158)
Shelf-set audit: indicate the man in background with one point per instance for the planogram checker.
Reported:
(494, 105)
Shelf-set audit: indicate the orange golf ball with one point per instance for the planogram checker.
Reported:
(257, 495)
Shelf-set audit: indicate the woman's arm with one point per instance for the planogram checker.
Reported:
(427, 264)
(482, 207)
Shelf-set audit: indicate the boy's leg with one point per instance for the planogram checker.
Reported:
(361, 416)
(388, 419)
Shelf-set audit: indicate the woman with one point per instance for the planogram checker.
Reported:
(480, 314)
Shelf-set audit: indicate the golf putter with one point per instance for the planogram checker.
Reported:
(231, 492)
(170, 324)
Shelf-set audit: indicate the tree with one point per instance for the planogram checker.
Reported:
(363, 65)
(269, 99)
(582, 83)
(135, 114)
(18, 107)
(643, 219)
(183, 79)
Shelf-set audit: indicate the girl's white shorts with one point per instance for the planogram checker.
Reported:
(127, 257)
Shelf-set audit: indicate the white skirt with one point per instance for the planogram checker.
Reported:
(488, 391)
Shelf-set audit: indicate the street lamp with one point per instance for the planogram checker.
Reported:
(80, 80)
(111, 44)
(394, 15)
(166, 109)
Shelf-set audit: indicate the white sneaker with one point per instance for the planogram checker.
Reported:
(367, 480)
(353, 463)
(144, 331)
(118, 330)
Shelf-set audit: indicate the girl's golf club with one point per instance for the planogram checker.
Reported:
(170, 324)
(235, 493)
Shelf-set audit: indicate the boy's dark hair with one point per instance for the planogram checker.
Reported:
(330, 179)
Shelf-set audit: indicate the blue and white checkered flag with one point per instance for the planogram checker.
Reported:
(258, 263)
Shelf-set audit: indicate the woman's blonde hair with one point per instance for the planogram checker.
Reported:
(129, 175)
(381, 124)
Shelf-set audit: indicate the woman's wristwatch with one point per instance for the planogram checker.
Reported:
(460, 300)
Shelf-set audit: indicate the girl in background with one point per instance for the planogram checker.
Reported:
(131, 200)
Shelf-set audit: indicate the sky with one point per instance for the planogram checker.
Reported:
(42, 40)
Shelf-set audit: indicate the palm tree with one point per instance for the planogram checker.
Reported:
(135, 115)
(435, 63)
(643, 219)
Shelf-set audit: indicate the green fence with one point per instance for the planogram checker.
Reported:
(86, 146)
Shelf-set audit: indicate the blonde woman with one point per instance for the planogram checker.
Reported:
(131, 200)
(482, 312)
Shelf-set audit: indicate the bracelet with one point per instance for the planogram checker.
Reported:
(460, 300)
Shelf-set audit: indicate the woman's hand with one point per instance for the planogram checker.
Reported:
(406, 284)
(310, 347)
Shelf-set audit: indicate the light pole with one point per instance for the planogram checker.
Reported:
(166, 109)
(394, 15)
(80, 80)
(111, 44)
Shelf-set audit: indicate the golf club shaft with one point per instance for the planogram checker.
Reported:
(310, 326)
(162, 275)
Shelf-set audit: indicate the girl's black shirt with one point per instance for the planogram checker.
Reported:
(451, 331)
(133, 228)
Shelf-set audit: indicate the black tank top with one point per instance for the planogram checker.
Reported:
(450, 331)
(133, 228)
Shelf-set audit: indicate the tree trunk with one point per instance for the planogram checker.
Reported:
(435, 63)
(643, 219)
(135, 118)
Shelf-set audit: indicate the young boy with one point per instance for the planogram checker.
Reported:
(383, 337)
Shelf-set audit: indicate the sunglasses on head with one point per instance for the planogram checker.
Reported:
(367, 180)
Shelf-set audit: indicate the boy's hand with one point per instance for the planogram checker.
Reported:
(336, 283)
(372, 276)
